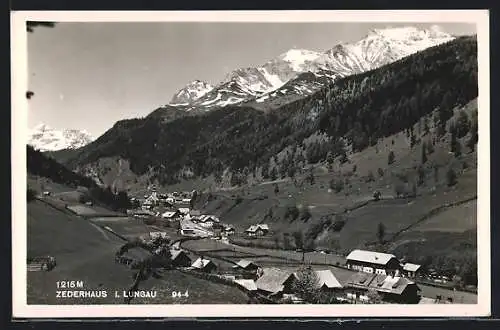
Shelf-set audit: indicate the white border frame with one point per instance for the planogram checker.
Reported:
(19, 74)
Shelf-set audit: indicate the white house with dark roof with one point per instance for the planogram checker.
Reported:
(257, 230)
(373, 262)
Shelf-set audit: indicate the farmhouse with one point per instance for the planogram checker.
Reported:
(229, 230)
(180, 258)
(204, 265)
(257, 230)
(373, 262)
(158, 234)
(246, 265)
(411, 270)
(392, 289)
(275, 281)
(172, 215)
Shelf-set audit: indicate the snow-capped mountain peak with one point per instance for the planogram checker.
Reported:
(378, 48)
(191, 92)
(44, 138)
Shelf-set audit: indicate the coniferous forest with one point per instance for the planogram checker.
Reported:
(353, 112)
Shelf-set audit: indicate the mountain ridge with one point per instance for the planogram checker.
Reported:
(45, 138)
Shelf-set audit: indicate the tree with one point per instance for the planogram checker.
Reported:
(436, 174)
(307, 285)
(377, 195)
(373, 296)
(274, 174)
(336, 185)
(421, 175)
(429, 147)
(424, 154)
(298, 239)
(286, 241)
(306, 214)
(380, 232)
(311, 177)
(380, 172)
(391, 157)
(370, 177)
(463, 124)
(276, 189)
(451, 177)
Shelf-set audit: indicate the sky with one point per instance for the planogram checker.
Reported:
(90, 75)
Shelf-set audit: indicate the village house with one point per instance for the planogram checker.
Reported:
(246, 265)
(184, 210)
(158, 234)
(327, 281)
(275, 282)
(180, 258)
(257, 230)
(373, 262)
(229, 230)
(172, 215)
(204, 265)
(411, 270)
(392, 289)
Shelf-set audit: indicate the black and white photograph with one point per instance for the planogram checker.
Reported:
(251, 163)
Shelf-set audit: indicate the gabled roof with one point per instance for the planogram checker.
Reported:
(252, 228)
(169, 214)
(370, 257)
(263, 226)
(177, 253)
(201, 263)
(184, 210)
(245, 263)
(247, 284)
(390, 284)
(273, 279)
(411, 267)
(328, 279)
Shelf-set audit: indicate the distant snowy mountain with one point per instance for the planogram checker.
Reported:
(190, 93)
(44, 138)
(276, 78)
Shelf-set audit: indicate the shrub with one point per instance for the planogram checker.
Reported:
(391, 157)
(451, 177)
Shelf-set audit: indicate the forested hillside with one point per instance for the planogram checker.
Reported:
(46, 167)
(352, 114)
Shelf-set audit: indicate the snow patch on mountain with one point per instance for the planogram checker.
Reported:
(378, 48)
(44, 138)
(191, 92)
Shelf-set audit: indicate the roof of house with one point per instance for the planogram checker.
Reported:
(411, 267)
(177, 253)
(273, 279)
(169, 214)
(184, 210)
(389, 284)
(328, 279)
(252, 228)
(202, 263)
(245, 263)
(247, 284)
(370, 257)
(360, 280)
(263, 226)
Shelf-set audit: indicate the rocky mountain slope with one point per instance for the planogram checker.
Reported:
(378, 48)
